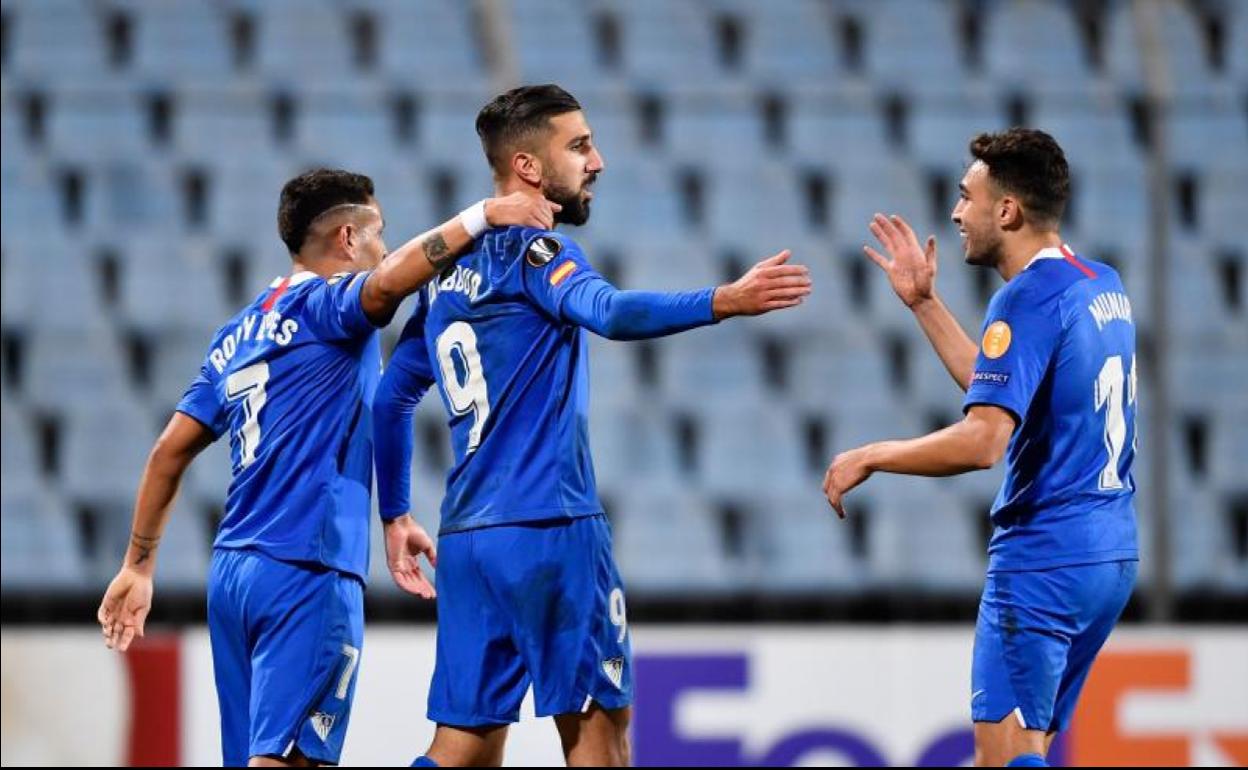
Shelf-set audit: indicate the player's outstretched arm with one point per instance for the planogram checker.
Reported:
(128, 599)
(911, 271)
(416, 262)
(596, 305)
(977, 442)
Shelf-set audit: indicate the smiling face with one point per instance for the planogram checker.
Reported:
(976, 215)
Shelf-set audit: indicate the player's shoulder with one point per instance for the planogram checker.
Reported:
(537, 247)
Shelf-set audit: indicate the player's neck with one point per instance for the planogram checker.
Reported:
(1020, 253)
(323, 266)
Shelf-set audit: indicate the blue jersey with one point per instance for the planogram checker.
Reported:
(1058, 353)
(292, 378)
(501, 334)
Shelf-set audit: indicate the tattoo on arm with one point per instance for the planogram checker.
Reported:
(436, 251)
(144, 544)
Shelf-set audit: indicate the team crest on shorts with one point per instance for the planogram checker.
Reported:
(322, 723)
(614, 669)
(542, 250)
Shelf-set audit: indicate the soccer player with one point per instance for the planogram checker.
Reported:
(528, 592)
(1052, 388)
(291, 378)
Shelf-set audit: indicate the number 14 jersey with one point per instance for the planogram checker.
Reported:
(1058, 353)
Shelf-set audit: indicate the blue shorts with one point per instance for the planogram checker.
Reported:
(286, 641)
(539, 603)
(1037, 635)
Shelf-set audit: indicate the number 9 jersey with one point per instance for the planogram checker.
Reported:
(1058, 353)
(291, 377)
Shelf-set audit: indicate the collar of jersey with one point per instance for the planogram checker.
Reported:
(295, 280)
(1049, 252)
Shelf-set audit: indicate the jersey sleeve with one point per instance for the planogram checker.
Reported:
(1019, 339)
(334, 311)
(570, 290)
(407, 378)
(552, 267)
(201, 403)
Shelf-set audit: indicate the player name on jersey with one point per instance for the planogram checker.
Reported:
(256, 327)
(1110, 306)
(462, 279)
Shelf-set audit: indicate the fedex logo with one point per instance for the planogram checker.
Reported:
(1114, 724)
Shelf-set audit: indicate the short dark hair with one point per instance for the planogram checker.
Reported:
(1030, 164)
(311, 194)
(518, 114)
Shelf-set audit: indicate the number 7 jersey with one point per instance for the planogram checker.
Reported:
(1058, 353)
(292, 378)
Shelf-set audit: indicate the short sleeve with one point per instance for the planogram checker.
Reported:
(200, 402)
(1016, 347)
(334, 311)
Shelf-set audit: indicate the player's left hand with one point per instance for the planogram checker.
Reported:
(405, 542)
(848, 470)
(124, 609)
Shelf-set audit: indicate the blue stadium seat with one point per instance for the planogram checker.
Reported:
(73, 370)
(714, 365)
(42, 548)
(56, 41)
(301, 39)
(105, 449)
(632, 441)
(660, 38)
(355, 131)
(206, 120)
(1017, 57)
(21, 456)
(1179, 40)
(168, 287)
(942, 125)
(669, 541)
(791, 43)
(749, 453)
(573, 62)
(1093, 130)
(913, 47)
(802, 545)
(717, 127)
(181, 43)
(841, 128)
(431, 44)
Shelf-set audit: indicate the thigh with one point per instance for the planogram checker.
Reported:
(231, 657)
(566, 599)
(309, 631)
(1021, 648)
(1105, 590)
(479, 678)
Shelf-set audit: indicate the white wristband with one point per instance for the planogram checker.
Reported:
(473, 219)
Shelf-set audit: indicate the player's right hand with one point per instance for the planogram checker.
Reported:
(523, 209)
(912, 269)
(124, 609)
(770, 285)
(405, 542)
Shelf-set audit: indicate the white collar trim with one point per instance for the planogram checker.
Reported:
(1050, 252)
(295, 280)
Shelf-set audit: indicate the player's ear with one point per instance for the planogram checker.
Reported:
(527, 166)
(347, 237)
(1009, 213)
